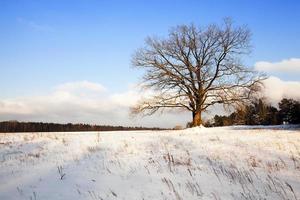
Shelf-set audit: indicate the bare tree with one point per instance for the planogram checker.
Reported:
(196, 68)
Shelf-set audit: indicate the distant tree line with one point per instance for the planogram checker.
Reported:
(15, 126)
(261, 113)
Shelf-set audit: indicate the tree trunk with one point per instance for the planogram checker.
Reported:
(197, 119)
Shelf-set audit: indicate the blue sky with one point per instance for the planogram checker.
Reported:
(49, 43)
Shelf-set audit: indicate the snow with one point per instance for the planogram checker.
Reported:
(198, 163)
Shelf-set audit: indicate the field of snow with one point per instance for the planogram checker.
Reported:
(197, 163)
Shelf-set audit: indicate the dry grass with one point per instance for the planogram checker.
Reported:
(176, 166)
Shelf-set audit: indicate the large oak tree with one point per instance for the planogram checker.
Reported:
(195, 68)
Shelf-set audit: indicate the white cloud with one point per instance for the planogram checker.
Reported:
(275, 89)
(291, 65)
(83, 102)
(88, 102)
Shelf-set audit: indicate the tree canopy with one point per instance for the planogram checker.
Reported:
(195, 68)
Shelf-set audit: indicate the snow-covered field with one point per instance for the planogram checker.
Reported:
(198, 163)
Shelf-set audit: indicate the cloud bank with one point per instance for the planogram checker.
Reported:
(88, 102)
(291, 65)
(275, 89)
(83, 102)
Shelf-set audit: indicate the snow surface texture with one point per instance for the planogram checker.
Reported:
(197, 163)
